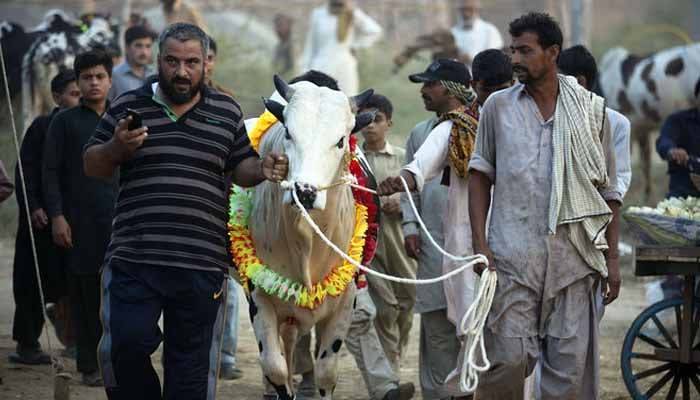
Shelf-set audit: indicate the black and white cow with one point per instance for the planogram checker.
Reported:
(647, 89)
(34, 57)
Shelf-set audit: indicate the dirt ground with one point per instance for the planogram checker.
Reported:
(23, 382)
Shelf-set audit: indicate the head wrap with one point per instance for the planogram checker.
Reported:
(460, 91)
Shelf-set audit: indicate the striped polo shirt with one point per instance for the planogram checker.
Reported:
(171, 209)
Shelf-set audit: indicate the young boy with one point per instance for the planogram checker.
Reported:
(394, 301)
(81, 207)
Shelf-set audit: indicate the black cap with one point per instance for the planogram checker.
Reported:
(444, 70)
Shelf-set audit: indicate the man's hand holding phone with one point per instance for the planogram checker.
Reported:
(129, 134)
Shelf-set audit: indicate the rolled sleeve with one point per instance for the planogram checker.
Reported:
(484, 155)
(409, 228)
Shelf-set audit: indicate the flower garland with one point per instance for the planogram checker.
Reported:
(251, 268)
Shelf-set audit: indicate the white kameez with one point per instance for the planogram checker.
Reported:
(481, 36)
(323, 51)
(430, 161)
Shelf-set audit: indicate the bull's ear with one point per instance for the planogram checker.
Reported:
(283, 88)
(357, 101)
(363, 119)
(275, 108)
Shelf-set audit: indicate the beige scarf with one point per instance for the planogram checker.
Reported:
(579, 170)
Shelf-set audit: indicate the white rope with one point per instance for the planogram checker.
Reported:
(473, 321)
(15, 137)
(470, 260)
(472, 327)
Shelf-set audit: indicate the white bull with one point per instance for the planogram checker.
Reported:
(314, 133)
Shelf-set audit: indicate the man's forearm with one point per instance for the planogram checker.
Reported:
(101, 160)
(613, 230)
(479, 202)
(248, 173)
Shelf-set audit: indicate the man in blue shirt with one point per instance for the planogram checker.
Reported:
(679, 144)
(132, 73)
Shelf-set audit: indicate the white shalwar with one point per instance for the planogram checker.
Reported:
(323, 52)
(481, 36)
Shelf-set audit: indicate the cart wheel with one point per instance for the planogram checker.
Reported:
(645, 375)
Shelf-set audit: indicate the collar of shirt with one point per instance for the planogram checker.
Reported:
(125, 68)
(387, 150)
(151, 90)
(522, 92)
(85, 107)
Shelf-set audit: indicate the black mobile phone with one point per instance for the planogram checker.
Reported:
(136, 121)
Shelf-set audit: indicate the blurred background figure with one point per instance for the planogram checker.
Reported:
(284, 57)
(472, 34)
(182, 11)
(335, 31)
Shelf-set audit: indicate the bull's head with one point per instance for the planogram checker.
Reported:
(54, 49)
(318, 123)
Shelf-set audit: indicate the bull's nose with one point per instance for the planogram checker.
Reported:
(306, 194)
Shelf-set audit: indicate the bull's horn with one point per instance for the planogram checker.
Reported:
(275, 108)
(357, 101)
(283, 88)
(363, 119)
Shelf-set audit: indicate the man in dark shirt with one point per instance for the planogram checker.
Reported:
(29, 318)
(168, 249)
(679, 144)
(81, 207)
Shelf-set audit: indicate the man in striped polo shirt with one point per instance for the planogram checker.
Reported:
(168, 248)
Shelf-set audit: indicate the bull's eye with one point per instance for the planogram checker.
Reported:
(287, 135)
(340, 143)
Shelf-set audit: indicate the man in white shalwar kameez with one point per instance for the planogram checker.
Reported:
(472, 34)
(432, 160)
(335, 31)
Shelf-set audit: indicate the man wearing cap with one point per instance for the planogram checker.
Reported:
(446, 152)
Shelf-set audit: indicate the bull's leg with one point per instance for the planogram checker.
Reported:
(331, 334)
(290, 332)
(266, 328)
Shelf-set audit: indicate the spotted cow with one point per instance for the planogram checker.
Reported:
(647, 89)
(34, 57)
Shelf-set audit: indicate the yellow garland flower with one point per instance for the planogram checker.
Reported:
(264, 123)
(252, 270)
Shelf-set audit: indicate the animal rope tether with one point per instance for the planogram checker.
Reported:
(473, 321)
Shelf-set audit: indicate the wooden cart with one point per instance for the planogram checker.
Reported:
(661, 352)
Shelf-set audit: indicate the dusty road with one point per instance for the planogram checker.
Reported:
(21, 382)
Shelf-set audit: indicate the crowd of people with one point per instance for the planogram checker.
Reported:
(126, 183)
